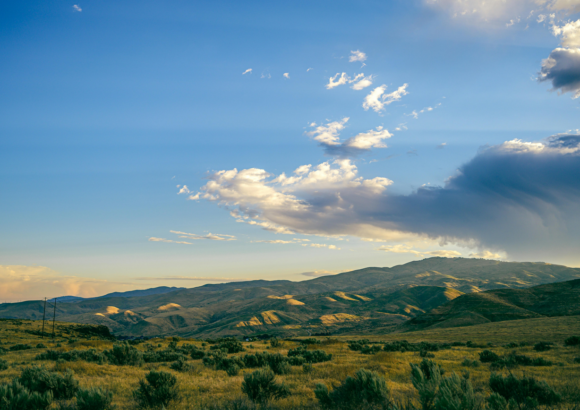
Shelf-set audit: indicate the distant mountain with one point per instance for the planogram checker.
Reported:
(555, 299)
(367, 300)
(129, 294)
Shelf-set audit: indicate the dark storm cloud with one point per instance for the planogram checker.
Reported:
(562, 68)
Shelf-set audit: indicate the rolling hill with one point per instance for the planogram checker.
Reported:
(352, 302)
(555, 299)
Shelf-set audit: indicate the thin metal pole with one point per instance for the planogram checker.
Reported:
(43, 317)
(54, 318)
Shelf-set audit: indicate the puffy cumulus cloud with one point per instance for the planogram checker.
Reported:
(569, 32)
(357, 56)
(329, 137)
(562, 69)
(361, 82)
(333, 82)
(323, 200)
(378, 100)
(520, 197)
(287, 75)
(20, 282)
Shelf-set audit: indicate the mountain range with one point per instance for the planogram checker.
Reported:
(434, 292)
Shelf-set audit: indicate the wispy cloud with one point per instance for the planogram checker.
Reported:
(321, 245)
(154, 239)
(378, 100)
(441, 146)
(359, 80)
(209, 236)
(333, 82)
(196, 278)
(415, 114)
(77, 8)
(248, 71)
(319, 273)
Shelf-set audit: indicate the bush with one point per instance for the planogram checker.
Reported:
(94, 398)
(260, 386)
(40, 346)
(307, 367)
(180, 365)
(278, 364)
(157, 389)
(487, 356)
(124, 355)
(572, 341)
(426, 378)
(197, 354)
(233, 370)
(275, 342)
(365, 389)
(577, 360)
(15, 396)
(3, 365)
(162, 356)
(231, 344)
(372, 349)
(456, 393)
(542, 346)
(19, 347)
(470, 363)
(296, 361)
(524, 390)
(90, 355)
(425, 353)
(38, 379)
(316, 356)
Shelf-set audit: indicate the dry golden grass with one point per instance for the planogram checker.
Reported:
(201, 386)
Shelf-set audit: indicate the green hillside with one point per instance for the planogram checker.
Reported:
(556, 299)
(354, 302)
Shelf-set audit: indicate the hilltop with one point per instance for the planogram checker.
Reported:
(363, 301)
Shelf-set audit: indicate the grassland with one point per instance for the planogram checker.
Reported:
(202, 387)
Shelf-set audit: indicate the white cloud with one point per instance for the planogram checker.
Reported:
(405, 248)
(276, 241)
(319, 273)
(183, 190)
(20, 282)
(441, 146)
(286, 75)
(357, 56)
(370, 139)
(328, 134)
(487, 255)
(248, 71)
(154, 239)
(321, 245)
(415, 114)
(309, 69)
(569, 32)
(377, 99)
(342, 80)
(77, 8)
(210, 236)
(361, 82)
(197, 278)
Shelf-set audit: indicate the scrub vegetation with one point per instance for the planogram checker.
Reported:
(529, 366)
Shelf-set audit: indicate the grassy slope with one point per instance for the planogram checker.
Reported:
(203, 386)
(556, 299)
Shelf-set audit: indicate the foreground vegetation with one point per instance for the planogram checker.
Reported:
(462, 369)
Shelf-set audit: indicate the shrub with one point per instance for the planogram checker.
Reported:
(172, 345)
(260, 386)
(577, 360)
(307, 367)
(162, 356)
(296, 361)
(572, 341)
(524, 390)
(94, 398)
(197, 354)
(425, 353)
(542, 346)
(372, 349)
(124, 355)
(365, 389)
(426, 378)
(38, 379)
(278, 364)
(470, 363)
(19, 347)
(90, 355)
(157, 389)
(180, 365)
(233, 370)
(3, 365)
(40, 346)
(487, 356)
(15, 396)
(511, 345)
(231, 344)
(275, 342)
(310, 341)
(316, 356)
(456, 393)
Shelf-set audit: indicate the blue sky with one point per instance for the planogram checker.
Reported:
(106, 107)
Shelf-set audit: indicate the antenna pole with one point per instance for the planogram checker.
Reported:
(43, 317)
(54, 318)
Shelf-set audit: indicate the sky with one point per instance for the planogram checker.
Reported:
(147, 143)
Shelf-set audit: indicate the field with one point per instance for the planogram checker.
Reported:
(201, 387)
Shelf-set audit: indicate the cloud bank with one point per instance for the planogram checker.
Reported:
(521, 197)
